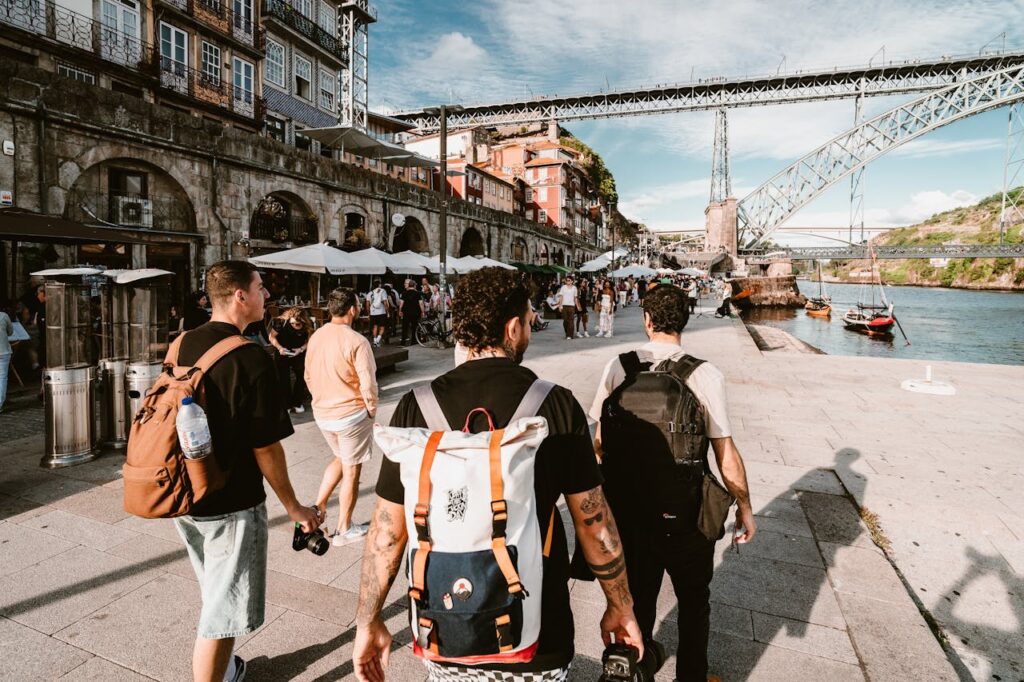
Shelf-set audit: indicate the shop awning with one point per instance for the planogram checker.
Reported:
(527, 267)
(355, 141)
(19, 224)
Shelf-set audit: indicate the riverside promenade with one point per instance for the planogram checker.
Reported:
(89, 593)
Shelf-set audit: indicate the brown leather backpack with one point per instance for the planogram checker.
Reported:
(159, 481)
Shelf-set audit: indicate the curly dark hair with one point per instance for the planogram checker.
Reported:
(668, 308)
(484, 301)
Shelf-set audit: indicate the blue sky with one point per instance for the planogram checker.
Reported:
(426, 51)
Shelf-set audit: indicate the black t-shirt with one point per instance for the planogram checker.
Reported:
(290, 337)
(584, 296)
(244, 409)
(411, 299)
(565, 465)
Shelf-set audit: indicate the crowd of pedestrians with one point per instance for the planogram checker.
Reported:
(625, 544)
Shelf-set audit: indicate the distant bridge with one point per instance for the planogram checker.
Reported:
(888, 252)
(887, 78)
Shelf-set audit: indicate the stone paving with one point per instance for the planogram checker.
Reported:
(89, 593)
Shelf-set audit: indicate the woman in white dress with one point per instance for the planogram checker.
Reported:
(607, 321)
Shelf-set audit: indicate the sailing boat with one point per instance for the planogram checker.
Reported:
(873, 319)
(820, 305)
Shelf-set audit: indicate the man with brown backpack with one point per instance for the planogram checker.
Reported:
(218, 500)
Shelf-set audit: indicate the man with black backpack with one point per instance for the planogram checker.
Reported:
(658, 410)
(492, 601)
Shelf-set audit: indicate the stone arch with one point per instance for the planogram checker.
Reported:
(544, 254)
(520, 250)
(472, 243)
(411, 236)
(282, 217)
(354, 227)
(558, 257)
(127, 191)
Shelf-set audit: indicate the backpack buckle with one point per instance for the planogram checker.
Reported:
(671, 427)
(503, 629)
(419, 520)
(424, 626)
(499, 518)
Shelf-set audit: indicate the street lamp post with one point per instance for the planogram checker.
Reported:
(442, 112)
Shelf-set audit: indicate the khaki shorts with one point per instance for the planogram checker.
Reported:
(351, 445)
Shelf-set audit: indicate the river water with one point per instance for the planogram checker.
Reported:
(942, 324)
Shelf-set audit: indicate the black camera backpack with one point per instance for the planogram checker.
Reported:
(654, 443)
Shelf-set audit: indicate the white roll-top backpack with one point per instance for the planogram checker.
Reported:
(475, 555)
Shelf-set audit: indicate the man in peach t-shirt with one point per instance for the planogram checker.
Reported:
(340, 373)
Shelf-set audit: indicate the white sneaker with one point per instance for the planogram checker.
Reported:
(586, 333)
(568, 338)
(355, 533)
(299, 409)
(608, 335)
(579, 335)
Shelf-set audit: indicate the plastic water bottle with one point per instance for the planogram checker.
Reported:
(193, 430)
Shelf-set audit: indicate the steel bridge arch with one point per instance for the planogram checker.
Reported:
(762, 211)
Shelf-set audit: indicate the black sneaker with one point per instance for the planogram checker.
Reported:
(239, 669)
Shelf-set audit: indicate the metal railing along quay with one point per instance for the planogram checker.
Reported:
(293, 18)
(209, 88)
(888, 252)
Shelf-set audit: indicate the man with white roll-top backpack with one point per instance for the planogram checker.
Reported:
(475, 463)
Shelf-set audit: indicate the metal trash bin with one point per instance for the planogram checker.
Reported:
(139, 379)
(68, 397)
(115, 403)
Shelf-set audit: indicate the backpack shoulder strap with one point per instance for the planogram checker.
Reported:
(631, 363)
(684, 367)
(532, 400)
(172, 351)
(430, 408)
(219, 350)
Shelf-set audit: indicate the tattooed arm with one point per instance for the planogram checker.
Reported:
(597, 534)
(385, 543)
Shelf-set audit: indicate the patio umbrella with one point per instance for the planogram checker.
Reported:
(433, 264)
(599, 263)
(408, 263)
(665, 271)
(691, 272)
(317, 258)
(486, 262)
(372, 256)
(634, 271)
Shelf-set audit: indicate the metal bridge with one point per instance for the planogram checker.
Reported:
(888, 252)
(762, 211)
(889, 78)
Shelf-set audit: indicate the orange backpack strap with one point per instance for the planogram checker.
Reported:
(419, 517)
(172, 351)
(499, 519)
(218, 351)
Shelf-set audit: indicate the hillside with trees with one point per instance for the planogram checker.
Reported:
(977, 224)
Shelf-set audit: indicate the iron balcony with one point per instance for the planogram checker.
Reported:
(220, 15)
(288, 15)
(210, 89)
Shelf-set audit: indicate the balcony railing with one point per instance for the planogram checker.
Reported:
(77, 31)
(221, 15)
(129, 210)
(280, 229)
(289, 16)
(209, 88)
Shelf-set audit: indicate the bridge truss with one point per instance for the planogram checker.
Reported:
(762, 211)
(890, 78)
(890, 252)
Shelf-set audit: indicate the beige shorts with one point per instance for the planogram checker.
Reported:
(352, 445)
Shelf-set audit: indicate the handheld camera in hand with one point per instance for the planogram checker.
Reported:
(621, 662)
(316, 542)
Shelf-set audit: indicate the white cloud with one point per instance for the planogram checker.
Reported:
(639, 204)
(924, 147)
(921, 206)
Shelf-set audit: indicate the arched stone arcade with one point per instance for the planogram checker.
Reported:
(284, 217)
(472, 243)
(411, 236)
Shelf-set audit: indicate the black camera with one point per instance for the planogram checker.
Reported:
(316, 542)
(621, 664)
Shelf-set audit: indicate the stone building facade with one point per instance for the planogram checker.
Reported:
(211, 191)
